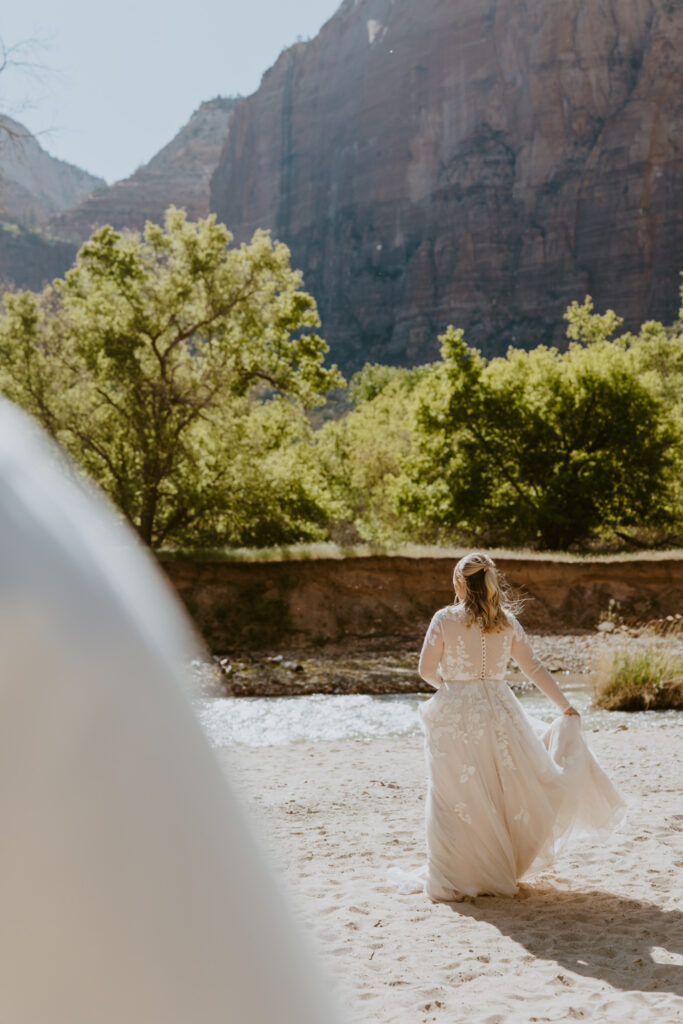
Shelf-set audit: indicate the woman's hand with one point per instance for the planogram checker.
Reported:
(571, 711)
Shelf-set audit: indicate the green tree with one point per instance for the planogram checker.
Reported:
(543, 445)
(271, 489)
(361, 454)
(143, 359)
(657, 352)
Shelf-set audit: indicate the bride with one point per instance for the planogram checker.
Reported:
(504, 789)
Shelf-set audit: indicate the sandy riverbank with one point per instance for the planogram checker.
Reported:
(598, 938)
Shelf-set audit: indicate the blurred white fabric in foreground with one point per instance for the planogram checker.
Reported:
(131, 889)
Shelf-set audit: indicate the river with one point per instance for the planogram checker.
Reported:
(276, 721)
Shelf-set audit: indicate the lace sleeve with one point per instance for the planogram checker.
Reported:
(430, 656)
(532, 667)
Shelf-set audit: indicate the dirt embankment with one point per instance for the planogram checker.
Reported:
(384, 601)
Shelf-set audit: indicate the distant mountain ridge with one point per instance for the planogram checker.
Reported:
(179, 174)
(35, 186)
(50, 207)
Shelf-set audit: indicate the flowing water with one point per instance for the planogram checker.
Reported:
(274, 721)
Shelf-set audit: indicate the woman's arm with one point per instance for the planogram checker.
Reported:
(532, 667)
(430, 656)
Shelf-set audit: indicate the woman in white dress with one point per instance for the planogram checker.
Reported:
(503, 788)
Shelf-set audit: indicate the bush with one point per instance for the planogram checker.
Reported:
(646, 678)
(543, 446)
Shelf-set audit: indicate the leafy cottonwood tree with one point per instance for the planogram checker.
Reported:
(361, 454)
(543, 444)
(272, 489)
(142, 360)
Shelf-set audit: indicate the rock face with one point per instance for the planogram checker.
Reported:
(179, 174)
(34, 185)
(475, 162)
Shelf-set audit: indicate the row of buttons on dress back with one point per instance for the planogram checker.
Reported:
(483, 655)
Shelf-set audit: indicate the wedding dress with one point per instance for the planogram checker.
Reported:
(504, 789)
(132, 888)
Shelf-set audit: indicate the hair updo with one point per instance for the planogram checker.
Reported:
(486, 597)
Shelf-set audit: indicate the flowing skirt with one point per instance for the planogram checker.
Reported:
(505, 791)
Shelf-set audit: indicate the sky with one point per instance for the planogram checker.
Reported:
(118, 80)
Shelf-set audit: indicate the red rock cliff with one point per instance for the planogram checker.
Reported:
(476, 162)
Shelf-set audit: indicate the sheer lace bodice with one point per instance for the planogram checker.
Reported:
(454, 651)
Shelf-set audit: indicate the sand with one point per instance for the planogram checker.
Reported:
(597, 938)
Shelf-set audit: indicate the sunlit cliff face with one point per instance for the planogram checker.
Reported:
(481, 165)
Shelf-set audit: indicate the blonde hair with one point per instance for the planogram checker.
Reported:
(486, 597)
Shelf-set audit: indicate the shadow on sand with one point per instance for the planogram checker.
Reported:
(596, 934)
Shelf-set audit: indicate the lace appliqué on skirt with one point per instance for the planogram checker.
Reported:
(504, 789)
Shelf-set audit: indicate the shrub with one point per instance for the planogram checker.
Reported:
(645, 678)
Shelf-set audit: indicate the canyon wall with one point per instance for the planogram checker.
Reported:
(269, 605)
(475, 162)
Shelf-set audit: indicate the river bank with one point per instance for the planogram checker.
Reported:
(388, 600)
(377, 666)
